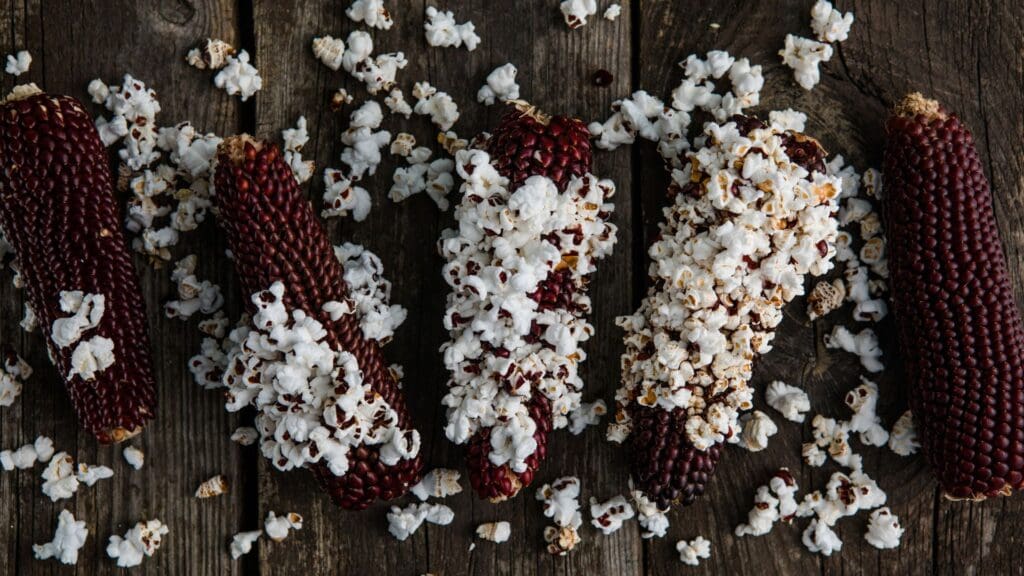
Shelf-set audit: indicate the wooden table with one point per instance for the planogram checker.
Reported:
(966, 53)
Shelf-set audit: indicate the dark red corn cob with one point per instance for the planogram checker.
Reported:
(528, 143)
(58, 211)
(960, 329)
(274, 235)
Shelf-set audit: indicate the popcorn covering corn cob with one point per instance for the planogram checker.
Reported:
(329, 402)
(532, 224)
(959, 328)
(752, 214)
(58, 211)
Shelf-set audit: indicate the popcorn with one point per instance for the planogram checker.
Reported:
(14, 373)
(773, 502)
(294, 140)
(238, 77)
(903, 438)
(370, 12)
(277, 527)
(91, 356)
(501, 85)
(691, 553)
(342, 197)
(59, 480)
(18, 64)
(330, 51)
(826, 297)
(86, 312)
(404, 522)
(68, 539)
(829, 24)
(98, 91)
(439, 106)
(653, 519)
(435, 178)
(576, 12)
(884, 530)
(864, 344)
(608, 516)
(370, 292)
(134, 457)
(403, 144)
(757, 428)
(819, 537)
(438, 483)
(245, 435)
(587, 414)
(789, 119)
(211, 54)
(612, 12)
(844, 496)
(787, 400)
(241, 543)
(804, 55)
(193, 295)
(90, 475)
(442, 31)
(26, 456)
(496, 532)
(362, 152)
(377, 72)
(141, 541)
(561, 504)
(395, 101)
(863, 400)
(212, 487)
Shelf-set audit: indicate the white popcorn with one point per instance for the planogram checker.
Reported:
(238, 77)
(241, 543)
(863, 401)
(757, 428)
(18, 64)
(496, 532)
(804, 55)
(790, 401)
(691, 553)
(342, 197)
(59, 480)
(111, 131)
(294, 139)
(501, 85)
(903, 438)
(362, 151)
(211, 54)
(26, 456)
(773, 502)
(377, 72)
(653, 519)
(86, 313)
(819, 537)
(330, 51)
(91, 356)
(245, 435)
(608, 516)
(404, 522)
(212, 487)
(438, 483)
(193, 295)
(395, 101)
(439, 106)
(403, 144)
(884, 530)
(587, 414)
(576, 12)
(612, 12)
(844, 496)
(68, 539)
(370, 12)
(140, 542)
(561, 504)
(788, 119)
(135, 457)
(277, 527)
(370, 292)
(98, 91)
(864, 344)
(90, 475)
(828, 23)
(29, 322)
(15, 372)
(441, 30)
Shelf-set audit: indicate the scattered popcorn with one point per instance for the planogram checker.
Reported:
(370, 12)
(787, 400)
(377, 72)
(820, 538)
(652, 519)
(613, 12)
(844, 496)
(438, 483)
(903, 438)
(15, 372)
(245, 435)
(241, 543)
(211, 54)
(884, 530)
(68, 539)
(825, 298)
(864, 344)
(98, 91)
(501, 85)
(833, 437)
(829, 24)
(439, 106)
(193, 295)
(342, 197)
(18, 64)
(277, 527)
(863, 401)
(561, 504)
(442, 31)
(238, 77)
(609, 516)
(330, 51)
(59, 480)
(403, 144)
(294, 140)
(691, 553)
(757, 428)
(340, 98)
(804, 55)
(587, 414)
(576, 12)
(90, 475)
(404, 522)
(134, 457)
(362, 144)
(212, 487)
(395, 101)
(422, 175)
(141, 541)
(496, 532)
(26, 456)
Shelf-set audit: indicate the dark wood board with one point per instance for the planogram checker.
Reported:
(968, 54)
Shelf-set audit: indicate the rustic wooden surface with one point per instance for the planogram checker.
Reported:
(966, 53)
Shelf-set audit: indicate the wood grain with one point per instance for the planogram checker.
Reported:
(965, 53)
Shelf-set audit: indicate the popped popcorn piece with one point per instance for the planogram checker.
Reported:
(245, 435)
(691, 553)
(863, 401)
(433, 177)
(612, 12)
(826, 297)
(68, 539)
(864, 344)
(829, 24)
(370, 292)
(210, 54)
(576, 12)
(757, 427)
(141, 541)
(59, 480)
(496, 532)
(91, 356)
(241, 543)
(330, 51)
(239, 77)
(608, 516)
(587, 414)
(15, 372)
(86, 313)
(884, 530)
(441, 30)
(395, 101)
(561, 504)
(773, 502)
(790, 401)
(370, 12)
(652, 519)
(340, 98)
(403, 144)
(212, 487)
(29, 322)
(376, 72)
(362, 144)
(18, 64)
(342, 197)
(134, 456)
(90, 475)
(277, 527)
(438, 483)
(294, 139)
(193, 295)
(439, 106)
(804, 55)
(789, 119)
(98, 91)
(26, 456)
(844, 496)
(903, 438)
(404, 522)
(819, 537)
(501, 85)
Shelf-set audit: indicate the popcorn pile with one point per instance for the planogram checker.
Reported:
(561, 504)
(804, 55)
(507, 346)
(15, 372)
(25, 457)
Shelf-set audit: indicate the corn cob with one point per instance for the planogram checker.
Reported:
(274, 236)
(549, 156)
(57, 209)
(960, 330)
(751, 214)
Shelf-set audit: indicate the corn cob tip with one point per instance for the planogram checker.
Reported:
(21, 91)
(527, 109)
(118, 435)
(232, 148)
(915, 104)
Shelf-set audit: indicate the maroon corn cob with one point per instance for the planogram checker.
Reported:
(274, 235)
(530, 143)
(58, 211)
(960, 329)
